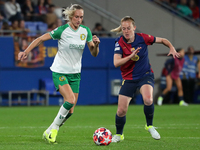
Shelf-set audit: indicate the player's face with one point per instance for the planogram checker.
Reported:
(77, 18)
(128, 30)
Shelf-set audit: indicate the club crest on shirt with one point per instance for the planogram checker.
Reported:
(136, 58)
(116, 44)
(62, 78)
(82, 36)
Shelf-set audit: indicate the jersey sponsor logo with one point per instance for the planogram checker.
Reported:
(136, 58)
(82, 36)
(76, 46)
(69, 37)
(62, 78)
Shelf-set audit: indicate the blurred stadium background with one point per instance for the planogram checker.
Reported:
(100, 80)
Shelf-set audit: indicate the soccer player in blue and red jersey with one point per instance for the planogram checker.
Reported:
(131, 54)
(173, 68)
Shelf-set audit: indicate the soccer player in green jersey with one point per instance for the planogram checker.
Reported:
(66, 67)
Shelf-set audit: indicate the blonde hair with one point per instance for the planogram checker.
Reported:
(69, 11)
(119, 29)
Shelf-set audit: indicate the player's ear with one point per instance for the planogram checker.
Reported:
(134, 28)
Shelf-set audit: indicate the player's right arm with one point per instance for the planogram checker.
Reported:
(118, 60)
(23, 55)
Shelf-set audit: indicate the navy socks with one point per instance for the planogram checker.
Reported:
(149, 112)
(119, 123)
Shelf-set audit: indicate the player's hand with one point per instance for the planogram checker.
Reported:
(22, 56)
(135, 52)
(95, 40)
(173, 52)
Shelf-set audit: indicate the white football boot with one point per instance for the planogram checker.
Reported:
(117, 138)
(153, 132)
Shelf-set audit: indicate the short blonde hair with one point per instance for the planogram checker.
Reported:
(119, 29)
(69, 11)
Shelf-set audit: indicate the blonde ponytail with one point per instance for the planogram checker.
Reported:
(118, 30)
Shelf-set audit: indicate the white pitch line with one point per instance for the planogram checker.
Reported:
(85, 127)
(138, 137)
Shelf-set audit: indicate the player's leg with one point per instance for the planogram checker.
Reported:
(61, 82)
(168, 88)
(147, 94)
(120, 118)
(180, 92)
(69, 101)
(125, 95)
(146, 89)
(74, 82)
(71, 110)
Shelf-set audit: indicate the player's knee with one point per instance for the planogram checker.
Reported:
(70, 99)
(148, 100)
(121, 112)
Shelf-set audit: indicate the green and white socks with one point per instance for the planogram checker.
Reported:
(60, 118)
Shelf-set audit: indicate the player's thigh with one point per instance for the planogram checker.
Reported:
(67, 93)
(146, 85)
(178, 84)
(147, 94)
(123, 103)
(169, 82)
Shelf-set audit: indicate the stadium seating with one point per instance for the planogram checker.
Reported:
(32, 27)
(41, 27)
(36, 27)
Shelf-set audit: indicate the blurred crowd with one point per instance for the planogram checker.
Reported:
(188, 8)
(26, 10)
(18, 15)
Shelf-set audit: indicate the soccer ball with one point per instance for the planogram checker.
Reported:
(102, 136)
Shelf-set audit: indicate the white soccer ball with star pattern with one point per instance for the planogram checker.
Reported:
(102, 136)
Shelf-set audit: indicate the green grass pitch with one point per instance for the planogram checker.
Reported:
(21, 128)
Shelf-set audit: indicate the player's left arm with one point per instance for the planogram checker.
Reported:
(167, 43)
(94, 46)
